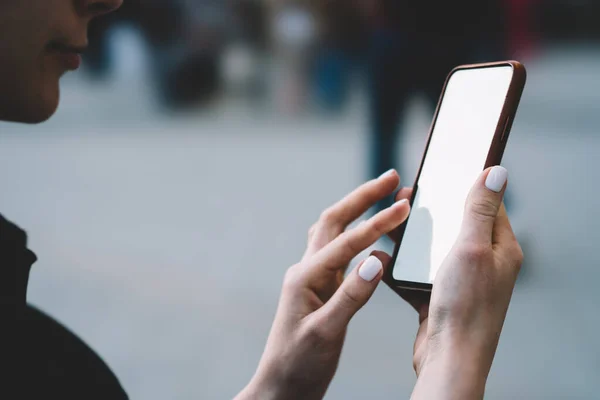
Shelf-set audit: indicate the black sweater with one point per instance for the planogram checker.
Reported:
(41, 358)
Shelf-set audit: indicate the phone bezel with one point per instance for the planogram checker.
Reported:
(494, 157)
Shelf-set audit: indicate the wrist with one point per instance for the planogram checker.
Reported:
(454, 371)
(261, 387)
(273, 385)
(472, 348)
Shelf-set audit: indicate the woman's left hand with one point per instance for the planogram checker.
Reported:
(317, 302)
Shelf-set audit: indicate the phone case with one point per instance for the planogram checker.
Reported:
(403, 288)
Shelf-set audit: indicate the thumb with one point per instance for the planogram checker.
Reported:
(352, 295)
(483, 205)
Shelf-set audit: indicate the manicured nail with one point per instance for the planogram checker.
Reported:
(388, 174)
(496, 179)
(370, 269)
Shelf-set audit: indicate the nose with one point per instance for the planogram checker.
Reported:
(96, 8)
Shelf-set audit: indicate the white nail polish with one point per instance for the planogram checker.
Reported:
(387, 174)
(370, 269)
(496, 179)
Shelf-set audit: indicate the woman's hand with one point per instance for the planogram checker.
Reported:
(317, 303)
(461, 324)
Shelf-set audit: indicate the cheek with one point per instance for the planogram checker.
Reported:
(28, 76)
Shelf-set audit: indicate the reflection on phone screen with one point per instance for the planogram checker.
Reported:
(459, 147)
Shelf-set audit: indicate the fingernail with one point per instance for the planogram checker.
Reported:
(401, 203)
(496, 179)
(391, 172)
(370, 269)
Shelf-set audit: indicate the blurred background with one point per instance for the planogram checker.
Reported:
(202, 138)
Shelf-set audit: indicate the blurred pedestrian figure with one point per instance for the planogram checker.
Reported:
(294, 33)
(185, 38)
(193, 74)
(341, 44)
(413, 46)
(244, 62)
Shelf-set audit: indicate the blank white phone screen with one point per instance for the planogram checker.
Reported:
(462, 136)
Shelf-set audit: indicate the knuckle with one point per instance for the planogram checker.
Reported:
(349, 300)
(475, 253)
(292, 278)
(517, 255)
(350, 244)
(512, 254)
(316, 332)
(329, 216)
(483, 208)
(377, 227)
(311, 230)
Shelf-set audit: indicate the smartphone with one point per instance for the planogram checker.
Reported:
(469, 133)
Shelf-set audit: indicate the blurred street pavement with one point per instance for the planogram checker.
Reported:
(163, 240)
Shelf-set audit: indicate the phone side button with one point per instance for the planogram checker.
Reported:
(506, 131)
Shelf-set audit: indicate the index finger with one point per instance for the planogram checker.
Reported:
(404, 193)
(503, 231)
(351, 207)
(336, 218)
(345, 247)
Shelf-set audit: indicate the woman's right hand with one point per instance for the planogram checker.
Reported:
(461, 323)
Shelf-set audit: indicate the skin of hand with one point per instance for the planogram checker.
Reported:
(317, 301)
(461, 321)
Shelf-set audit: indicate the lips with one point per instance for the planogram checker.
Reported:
(68, 55)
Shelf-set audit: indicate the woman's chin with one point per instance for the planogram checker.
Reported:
(31, 114)
(45, 106)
